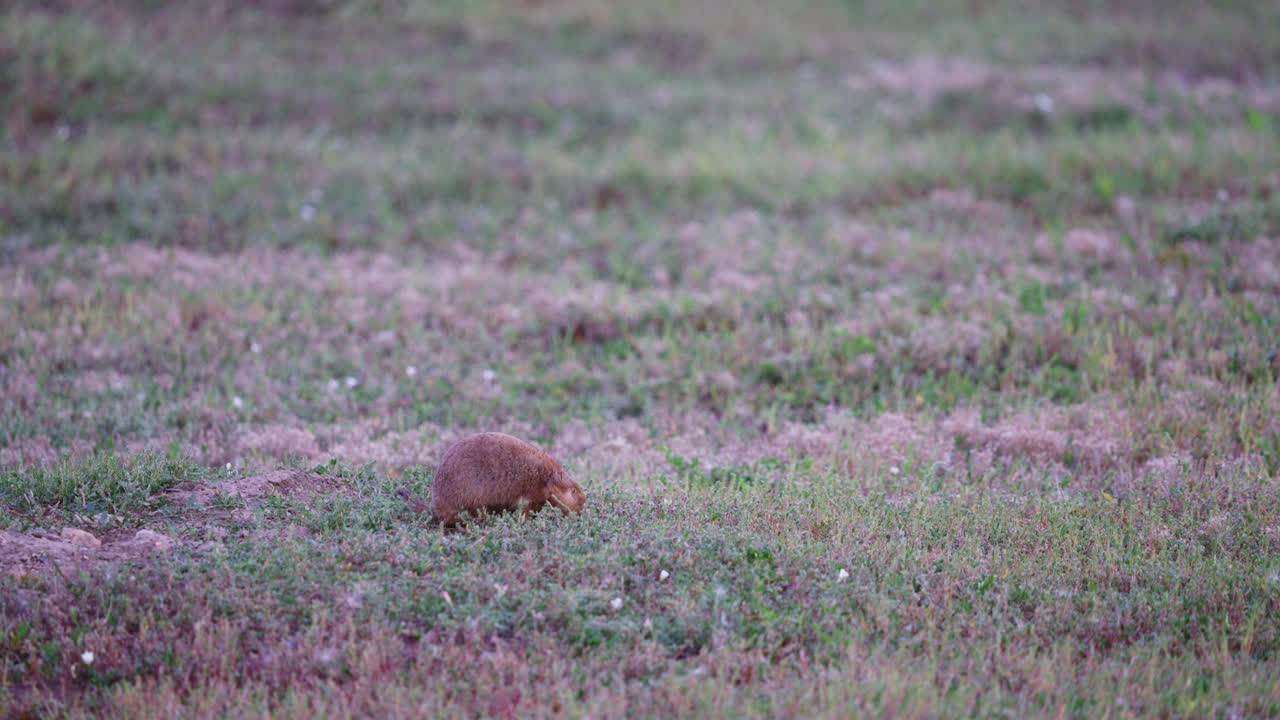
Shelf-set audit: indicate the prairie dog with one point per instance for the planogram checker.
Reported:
(497, 472)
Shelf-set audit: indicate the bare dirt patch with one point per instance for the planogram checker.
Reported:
(40, 551)
(298, 484)
(989, 96)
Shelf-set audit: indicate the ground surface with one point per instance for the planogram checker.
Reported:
(917, 358)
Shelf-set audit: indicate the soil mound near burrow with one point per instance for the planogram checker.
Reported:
(43, 552)
(298, 484)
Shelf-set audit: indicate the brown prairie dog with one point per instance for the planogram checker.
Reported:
(497, 472)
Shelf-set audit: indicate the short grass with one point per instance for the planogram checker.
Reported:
(917, 358)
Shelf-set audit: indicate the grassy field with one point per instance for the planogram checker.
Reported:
(917, 358)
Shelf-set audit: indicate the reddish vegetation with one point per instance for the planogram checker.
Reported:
(917, 369)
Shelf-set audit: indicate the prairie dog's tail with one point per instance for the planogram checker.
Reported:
(422, 507)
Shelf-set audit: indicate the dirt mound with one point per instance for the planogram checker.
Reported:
(41, 551)
(291, 483)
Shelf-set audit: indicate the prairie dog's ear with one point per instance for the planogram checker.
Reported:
(561, 479)
(550, 467)
(556, 473)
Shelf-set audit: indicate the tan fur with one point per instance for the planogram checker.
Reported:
(497, 472)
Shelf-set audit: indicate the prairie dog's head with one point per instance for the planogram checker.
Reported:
(564, 493)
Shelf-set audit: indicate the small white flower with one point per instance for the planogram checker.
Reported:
(333, 384)
(228, 467)
(237, 401)
(1044, 103)
(411, 371)
(1126, 206)
(64, 133)
(893, 470)
(664, 575)
(488, 375)
(255, 348)
(1223, 195)
(308, 213)
(842, 575)
(351, 382)
(616, 603)
(86, 657)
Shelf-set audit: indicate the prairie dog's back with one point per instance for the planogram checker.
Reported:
(495, 471)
